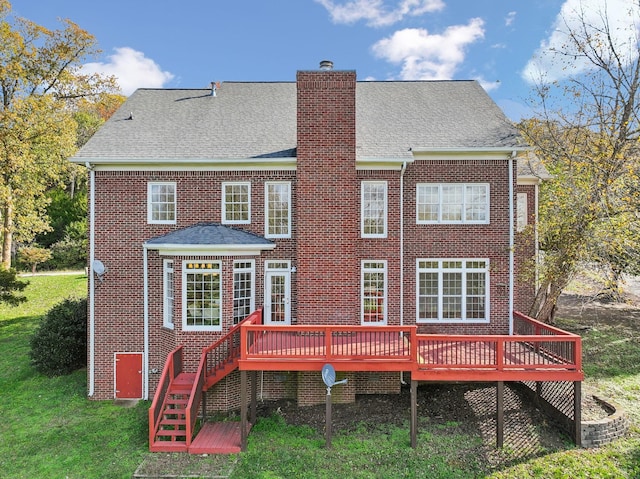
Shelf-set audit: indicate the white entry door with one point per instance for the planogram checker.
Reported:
(277, 294)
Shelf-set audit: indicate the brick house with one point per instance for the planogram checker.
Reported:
(324, 201)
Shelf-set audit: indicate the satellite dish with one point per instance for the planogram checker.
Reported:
(99, 268)
(328, 375)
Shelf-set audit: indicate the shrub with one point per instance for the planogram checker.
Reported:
(59, 345)
(34, 255)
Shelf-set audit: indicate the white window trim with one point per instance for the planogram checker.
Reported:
(385, 207)
(385, 309)
(463, 220)
(225, 221)
(168, 313)
(440, 271)
(251, 269)
(266, 209)
(150, 219)
(522, 212)
(185, 326)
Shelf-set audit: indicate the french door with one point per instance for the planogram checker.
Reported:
(277, 294)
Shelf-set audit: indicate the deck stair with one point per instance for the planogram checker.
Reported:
(172, 429)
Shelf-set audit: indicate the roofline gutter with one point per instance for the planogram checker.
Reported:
(167, 249)
(511, 150)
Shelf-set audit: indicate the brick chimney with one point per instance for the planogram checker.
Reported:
(327, 197)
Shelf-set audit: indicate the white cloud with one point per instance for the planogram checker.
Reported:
(549, 62)
(376, 13)
(511, 17)
(426, 56)
(132, 70)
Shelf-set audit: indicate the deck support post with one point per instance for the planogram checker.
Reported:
(254, 397)
(244, 429)
(577, 412)
(414, 414)
(500, 414)
(204, 406)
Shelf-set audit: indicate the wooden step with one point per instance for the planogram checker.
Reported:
(172, 422)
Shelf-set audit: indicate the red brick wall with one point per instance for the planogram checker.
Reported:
(526, 254)
(327, 197)
(460, 241)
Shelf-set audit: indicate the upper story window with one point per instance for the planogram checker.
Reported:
(201, 296)
(452, 290)
(161, 202)
(277, 209)
(168, 299)
(522, 212)
(452, 203)
(236, 203)
(374, 209)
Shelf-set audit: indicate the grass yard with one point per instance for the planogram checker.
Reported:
(51, 430)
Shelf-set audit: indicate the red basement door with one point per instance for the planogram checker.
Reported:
(128, 371)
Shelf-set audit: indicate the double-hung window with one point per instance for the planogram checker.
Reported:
(161, 202)
(373, 209)
(374, 292)
(277, 209)
(236, 203)
(202, 296)
(452, 290)
(167, 287)
(452, 203)
(243, 288)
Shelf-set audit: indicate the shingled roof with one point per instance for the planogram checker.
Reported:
(258, 120)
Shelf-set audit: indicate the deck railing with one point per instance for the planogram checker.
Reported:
(222, 356)
(172, 367)
(326, 342)
(535, 346)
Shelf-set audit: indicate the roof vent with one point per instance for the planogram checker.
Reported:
(326, 65)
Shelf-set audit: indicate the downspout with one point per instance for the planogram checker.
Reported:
(511, 240)
(404, 168)
(92, 255)
(145, 307)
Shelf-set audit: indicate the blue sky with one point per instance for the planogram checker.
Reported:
(188, 44)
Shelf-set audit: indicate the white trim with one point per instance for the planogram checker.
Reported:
(145, 330)
(223, 215)
(385, 294)
(385, 208)
(266, 209)
(487, 153)
(168, 267)
(271, 267)
(191, 164)
(512, 229)
(440, 271)
(169, 249)
(150, 219)
(252, 271)
(92, 282)
(185, 272)
(463, 219)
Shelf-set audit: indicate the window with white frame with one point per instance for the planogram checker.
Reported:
(161, 202)
(236, 203)
(374, 209)
(374, 292)
(452, 290)
(202, 296)
(167, 288)
(452, 203)
(522, 212)
(243, 288)
(278, 209)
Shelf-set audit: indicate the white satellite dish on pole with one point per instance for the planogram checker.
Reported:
(99, 269)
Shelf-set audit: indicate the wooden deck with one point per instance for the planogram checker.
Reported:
(217, 438)
(540, 352)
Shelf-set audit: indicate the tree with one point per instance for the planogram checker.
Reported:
(10, 286)
(590, 145)
(34, 255)
(40, 84)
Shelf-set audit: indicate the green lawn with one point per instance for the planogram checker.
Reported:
(50, 430)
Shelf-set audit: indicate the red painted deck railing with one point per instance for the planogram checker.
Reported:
(172, 367)
(535, 346)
